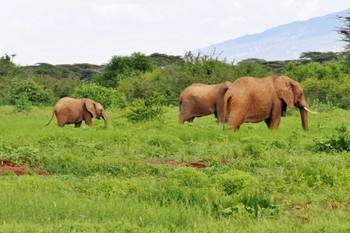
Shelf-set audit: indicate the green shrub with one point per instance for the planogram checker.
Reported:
(108, 97)
(190, 177)
(122, 67)
(235, 181)
(337, 142)
(258, 203)
(22, 104)
(145, 109)
(32, 91)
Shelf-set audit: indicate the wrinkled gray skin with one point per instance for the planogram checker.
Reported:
(74, 111)
(263, 99)
(200, 100)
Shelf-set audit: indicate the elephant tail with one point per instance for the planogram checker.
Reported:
(53, 112)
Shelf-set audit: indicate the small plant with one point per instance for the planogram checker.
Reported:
(338, 142)
(146, 109)
(258, 204)
(190, 177)
(235, 181)
(22, 104)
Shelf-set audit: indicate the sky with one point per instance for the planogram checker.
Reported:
(93, 31)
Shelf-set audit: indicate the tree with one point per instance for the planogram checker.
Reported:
(7, 67)
(320, 57)
(123, 67)
(344, 31)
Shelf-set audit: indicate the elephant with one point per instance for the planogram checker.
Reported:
(74, 111)
(201, 100)
(266, 99)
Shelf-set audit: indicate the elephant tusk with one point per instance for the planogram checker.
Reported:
(309, 110)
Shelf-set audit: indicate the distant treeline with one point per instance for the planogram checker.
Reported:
(325, 78)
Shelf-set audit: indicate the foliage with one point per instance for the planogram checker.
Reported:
(108, 97)
(22, 104)
(235, 181)
(30, 90)
(59, 87)
(337, 142)
(82, 72)
(164, 60)
(140, 86)
(145, 109)
(7, 67)
(320, 57)
(328, 70)
(324, 76)
(123, 67)
(250, 67)
(344, 31)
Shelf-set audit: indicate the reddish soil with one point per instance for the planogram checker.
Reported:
(19, 169)
(192, 163)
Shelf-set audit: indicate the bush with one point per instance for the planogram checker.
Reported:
(30, 90)
(190, 177)
(235, 181)
(145, 109)
(338, 142)
(22, 104)
(121, 67)
(108, 97)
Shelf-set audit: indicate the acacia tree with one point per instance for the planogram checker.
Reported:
(344, 31)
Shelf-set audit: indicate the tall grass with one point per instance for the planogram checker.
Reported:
(255, 180)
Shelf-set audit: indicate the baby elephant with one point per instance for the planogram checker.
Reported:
(74, 111)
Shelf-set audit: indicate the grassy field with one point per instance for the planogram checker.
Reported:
(128, 178)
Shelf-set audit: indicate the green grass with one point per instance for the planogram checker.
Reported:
(255, 180)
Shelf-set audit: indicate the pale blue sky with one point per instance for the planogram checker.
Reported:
(92, 31)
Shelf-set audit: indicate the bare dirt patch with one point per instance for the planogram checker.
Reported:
(192, 163)
(19, 169)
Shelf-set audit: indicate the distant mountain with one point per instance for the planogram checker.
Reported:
(285, 42)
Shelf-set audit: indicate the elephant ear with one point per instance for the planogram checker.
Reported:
(284, 90)
(90, 106)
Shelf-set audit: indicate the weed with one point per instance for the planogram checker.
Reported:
(337, 142)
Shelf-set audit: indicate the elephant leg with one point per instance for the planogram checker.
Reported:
(220, 112)
(221, 117)
(217, 116)
(273, 123)
(268, 122)
(77, 125)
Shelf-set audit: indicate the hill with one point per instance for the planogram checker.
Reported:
(285, 42)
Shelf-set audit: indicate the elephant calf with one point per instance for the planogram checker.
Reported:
(201, 100)
(74, 111)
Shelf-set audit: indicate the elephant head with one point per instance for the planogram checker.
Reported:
(96, 109)
(292, 94)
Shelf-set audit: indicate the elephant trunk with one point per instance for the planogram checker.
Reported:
(304, 120)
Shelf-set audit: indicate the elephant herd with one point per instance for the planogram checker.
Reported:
(247, 99)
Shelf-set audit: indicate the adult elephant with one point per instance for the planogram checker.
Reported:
(201, 100)
(264, 99)
(74, 111)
